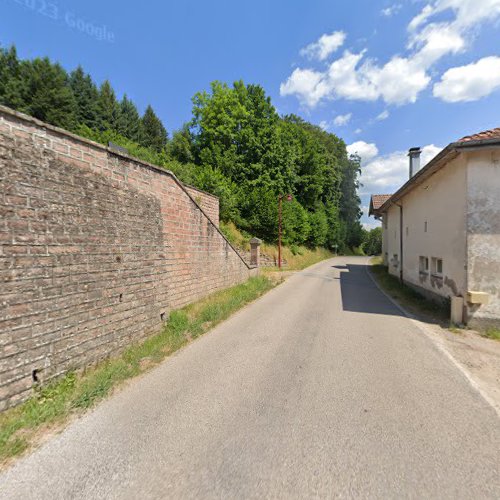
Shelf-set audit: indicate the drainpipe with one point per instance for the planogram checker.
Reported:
(400, 243)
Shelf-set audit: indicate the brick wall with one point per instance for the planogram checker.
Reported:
(208, 203)
(95, 249)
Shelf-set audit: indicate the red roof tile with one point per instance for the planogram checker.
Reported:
(482, 136)
(379, 199)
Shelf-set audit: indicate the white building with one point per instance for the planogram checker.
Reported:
(441, 229)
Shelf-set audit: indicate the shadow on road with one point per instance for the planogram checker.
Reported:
(360, 294)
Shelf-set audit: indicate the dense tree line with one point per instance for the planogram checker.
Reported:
(236, 146)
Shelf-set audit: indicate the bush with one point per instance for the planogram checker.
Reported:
(372, 244)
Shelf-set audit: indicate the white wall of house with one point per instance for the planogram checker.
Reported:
(434, 228)
(385, 243)
(483, 231)
(392, 238)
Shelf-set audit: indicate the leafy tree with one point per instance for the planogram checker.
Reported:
(350, 211)
(259, 210)
(372, 244)
(181, 147)
(234, 130)
(296, 224)
(154, 135)
(236, 146)
(318, 233)
(213, 181)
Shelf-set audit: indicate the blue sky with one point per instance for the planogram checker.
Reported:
(383, 75)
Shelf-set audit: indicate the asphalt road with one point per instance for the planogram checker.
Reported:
(319, 389)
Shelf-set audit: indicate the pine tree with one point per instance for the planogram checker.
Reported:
(12, 86)
(108, 108)
(154, 134)
(129, 122)
(49, 96)
(86, 96)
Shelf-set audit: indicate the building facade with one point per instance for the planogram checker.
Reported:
(441, 229)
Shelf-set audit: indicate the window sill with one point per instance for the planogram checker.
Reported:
(424, 273)
(437, 276)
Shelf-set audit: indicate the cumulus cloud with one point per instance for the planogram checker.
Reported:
(387, 173)
(326, 45)
(342, 120)
(470, 82)
(363, 149)
(401, 79)
(397, 82)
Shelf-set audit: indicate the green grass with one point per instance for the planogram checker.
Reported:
(296, 257)
(51, 406)
(406, 296)
(492, 333)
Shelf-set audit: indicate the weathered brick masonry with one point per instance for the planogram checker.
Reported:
(208, 203)
(95, 249)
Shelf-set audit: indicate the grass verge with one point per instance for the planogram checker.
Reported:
(296, 257)
(492, 333)
(418, 305)
(53, 405)
(410, 299)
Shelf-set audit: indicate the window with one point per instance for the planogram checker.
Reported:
(425, 226)
(407, 231)
(423, 264)
(395, 261)
(437, 266)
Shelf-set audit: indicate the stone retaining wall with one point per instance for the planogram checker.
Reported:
(96, 248)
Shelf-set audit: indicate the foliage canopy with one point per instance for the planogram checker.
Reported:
(236, 146)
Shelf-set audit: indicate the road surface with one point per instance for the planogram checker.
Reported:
(320, 389)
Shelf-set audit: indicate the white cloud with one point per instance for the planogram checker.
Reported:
(342, 120)
(323, 124)
(358, 131)
(390, 11)
(326, 45)
(400, 80)
(382, 116)
(467, 12)
(470, 82)
(305, 83)
(397, 82)
(387, 173)
(372, 224)
(365, 150)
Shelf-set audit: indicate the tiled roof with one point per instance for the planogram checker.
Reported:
(379, 199)
(482, 136)
(487, 138)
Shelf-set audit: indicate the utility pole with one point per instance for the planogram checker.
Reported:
(280, 200)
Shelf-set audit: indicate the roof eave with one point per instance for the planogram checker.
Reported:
(448, 153)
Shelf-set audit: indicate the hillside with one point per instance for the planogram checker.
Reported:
(235, 146)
